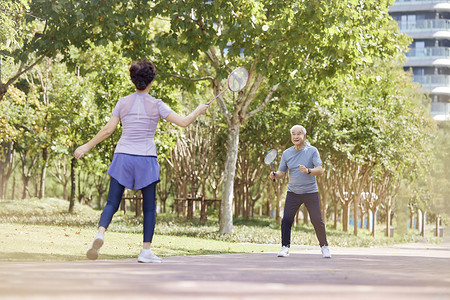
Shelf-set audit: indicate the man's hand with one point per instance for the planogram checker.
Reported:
(303, 169)
(272, 175)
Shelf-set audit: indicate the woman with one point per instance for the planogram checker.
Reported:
(135, 165)
(304, 164)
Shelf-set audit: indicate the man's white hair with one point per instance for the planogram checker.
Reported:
(298, 127)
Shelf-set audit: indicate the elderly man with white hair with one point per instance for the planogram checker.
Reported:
(304, 164)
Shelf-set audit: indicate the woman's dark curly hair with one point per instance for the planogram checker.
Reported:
(142, 73)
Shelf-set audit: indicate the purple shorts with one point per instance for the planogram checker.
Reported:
(134, 171)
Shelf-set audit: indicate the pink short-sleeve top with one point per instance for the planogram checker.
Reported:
(139, 114)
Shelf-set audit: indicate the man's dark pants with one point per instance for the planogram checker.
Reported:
(291, 206)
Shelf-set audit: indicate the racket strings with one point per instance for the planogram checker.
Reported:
(238, 79)
(270, 157)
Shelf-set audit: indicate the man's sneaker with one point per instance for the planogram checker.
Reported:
(284, 252)
(326, 252)
(92, 253)
(147, 256)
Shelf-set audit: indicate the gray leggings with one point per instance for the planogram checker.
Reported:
(291, 206)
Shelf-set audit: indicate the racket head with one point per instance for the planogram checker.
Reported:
(270, 156)
(238, 79)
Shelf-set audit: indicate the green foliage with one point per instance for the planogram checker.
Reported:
(24, 122)
(294, 43)
(9, 9)
(440, 172)
(65, 23)
(380, 120)
(10, 112)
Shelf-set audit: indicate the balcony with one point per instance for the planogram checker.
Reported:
(430, 82)
(407, 2)
(424, 25)
(428, 53)
(419, 5)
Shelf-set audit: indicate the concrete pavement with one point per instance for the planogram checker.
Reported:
(416, 271)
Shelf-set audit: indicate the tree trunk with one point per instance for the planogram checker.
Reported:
(26, 180)
(13, 192)
(236, 198)
(278, 204)
(72, 185)
(374, 221)
(43, 172)
(26, 172)
(3, 89)
(361, 226)
(268, 207)
(324, 205)
(99, 199)
(345, 216)
(355, 214)
(335, 215)
(81, 194)
(246, 201)
(417, 219)
(424, 220)
(226, 208)
(64, 190)
(6, 167)
(388, 221)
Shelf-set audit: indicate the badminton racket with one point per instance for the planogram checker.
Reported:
(236, 81)
(269, 159)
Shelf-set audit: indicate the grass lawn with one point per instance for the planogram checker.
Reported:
(19, 242)
(40, 230)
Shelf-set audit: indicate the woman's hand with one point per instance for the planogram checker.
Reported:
(201, 109)
(176, 119)
(80, 151)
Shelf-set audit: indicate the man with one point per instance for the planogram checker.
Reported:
(304, 164)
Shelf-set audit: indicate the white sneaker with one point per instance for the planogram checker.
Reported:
(93, 251)
(147, 256)
(326, 252)
(284, 252)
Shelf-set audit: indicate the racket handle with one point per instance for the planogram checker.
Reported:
(217, 96)
(273, 175)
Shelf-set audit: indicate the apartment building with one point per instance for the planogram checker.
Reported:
(428, 23)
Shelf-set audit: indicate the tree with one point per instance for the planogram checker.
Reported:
(372, 128)
(285, 45)
(440, 171)
(10, 112)
(48, 28)
(21, 133)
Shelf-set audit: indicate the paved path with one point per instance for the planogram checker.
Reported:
(414, 271)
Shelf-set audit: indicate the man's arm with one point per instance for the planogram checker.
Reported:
(317, 171)
(277, 175)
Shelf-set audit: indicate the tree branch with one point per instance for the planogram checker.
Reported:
(210, 78)
(265, 103)
(211, 54)
(225, 111)
(241, 107)
(23, 69)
